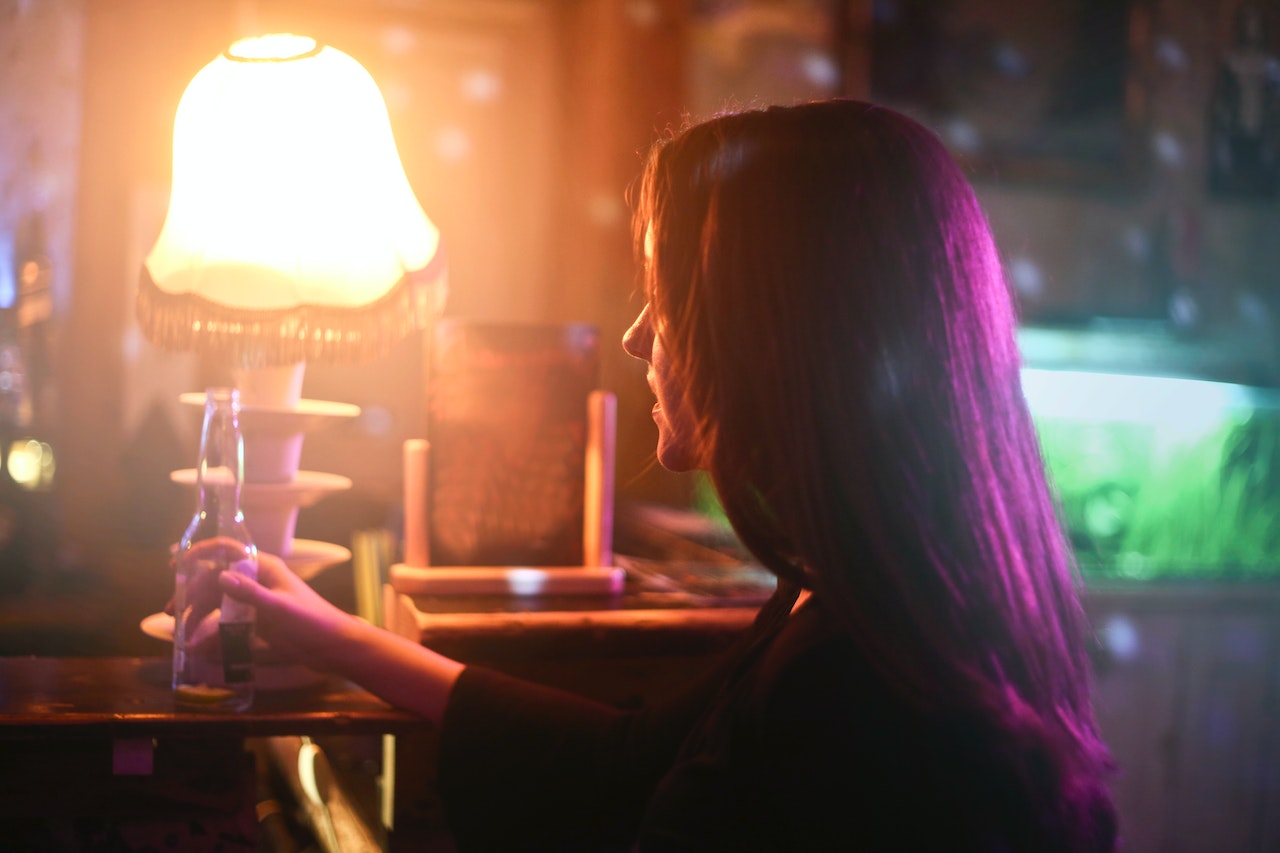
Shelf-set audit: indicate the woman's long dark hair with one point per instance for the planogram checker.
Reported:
(832, 301)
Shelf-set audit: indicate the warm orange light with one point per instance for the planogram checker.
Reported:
(30, 274)
(287, 189)
(31, 464)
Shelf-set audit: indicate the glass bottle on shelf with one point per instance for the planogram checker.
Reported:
(34, 314)
(212, 633)
(17, 516)
(29, 512)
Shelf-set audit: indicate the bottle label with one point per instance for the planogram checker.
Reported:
(237, 654)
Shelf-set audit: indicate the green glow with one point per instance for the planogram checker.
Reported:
(1157, 477)
(705, 500)
(1161, 477)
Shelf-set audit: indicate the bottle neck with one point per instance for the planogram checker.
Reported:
(221, 471)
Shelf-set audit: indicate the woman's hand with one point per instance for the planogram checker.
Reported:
(294, 620)
(297, 622)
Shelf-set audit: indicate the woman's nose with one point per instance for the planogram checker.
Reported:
(638, 340)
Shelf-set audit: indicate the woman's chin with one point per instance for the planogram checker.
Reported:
(677, 458)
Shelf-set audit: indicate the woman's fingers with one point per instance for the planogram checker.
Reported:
(240, 587)
(273, 576)
(295, 620)
(273, 573)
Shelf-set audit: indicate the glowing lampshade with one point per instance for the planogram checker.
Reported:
(292, 232)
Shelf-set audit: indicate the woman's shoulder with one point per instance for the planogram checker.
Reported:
(816, 702)
(813, 676)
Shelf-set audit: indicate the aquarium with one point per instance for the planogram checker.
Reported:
(1162, 476)
(1164, 453)
(1163, 448)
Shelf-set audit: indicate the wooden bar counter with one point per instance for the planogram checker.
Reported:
(130, 698)
(665, 626)
(100, 738)
(94, 752)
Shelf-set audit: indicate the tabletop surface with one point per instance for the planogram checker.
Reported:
(131, 697)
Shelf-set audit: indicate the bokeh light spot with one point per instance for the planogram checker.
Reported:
(605, 210)
(1121, 637)
(399, 41)
(820, 69)
(1026, 276)
(1136, 242)
(1167, 148)
(963, 136)
(1171, 54)
(453, 144)
(481, 85)
(376, 420)
(643, 13)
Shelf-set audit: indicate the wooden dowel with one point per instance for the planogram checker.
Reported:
(597, 528)
(416, 541)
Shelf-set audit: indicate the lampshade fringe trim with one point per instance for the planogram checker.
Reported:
(315, 333)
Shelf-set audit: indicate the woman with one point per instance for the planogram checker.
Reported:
(829, 335)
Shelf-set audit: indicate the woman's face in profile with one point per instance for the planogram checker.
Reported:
(677, 448)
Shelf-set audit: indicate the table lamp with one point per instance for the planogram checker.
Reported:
(292, 235)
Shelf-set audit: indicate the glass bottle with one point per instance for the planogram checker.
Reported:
(212, 633)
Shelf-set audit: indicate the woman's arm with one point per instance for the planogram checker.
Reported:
(521, 766)
(299, 623)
